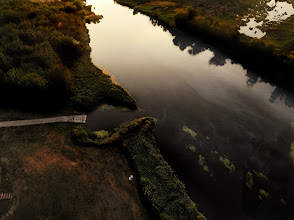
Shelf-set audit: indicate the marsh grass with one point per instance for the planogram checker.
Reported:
(165, 193)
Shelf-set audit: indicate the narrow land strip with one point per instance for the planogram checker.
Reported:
(71, 118)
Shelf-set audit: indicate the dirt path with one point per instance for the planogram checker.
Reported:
(71, 118)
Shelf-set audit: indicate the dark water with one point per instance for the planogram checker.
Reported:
(182, 81)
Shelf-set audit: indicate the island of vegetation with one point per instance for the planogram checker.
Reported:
(44, 173)
(219, 22)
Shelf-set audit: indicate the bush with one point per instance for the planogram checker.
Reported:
(5, 62)
(67, 48)
(33, 81)
(78, 4)
(40, 44)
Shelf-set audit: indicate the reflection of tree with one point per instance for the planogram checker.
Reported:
(194, 46)
(281, 93)
(218, 60)
(252, 78)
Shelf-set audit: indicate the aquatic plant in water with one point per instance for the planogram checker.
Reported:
(202, 162)
(189, 131)
(227, 163)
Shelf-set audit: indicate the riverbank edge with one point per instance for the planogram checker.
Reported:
(252, 54)
(116, 95)
(165, 193)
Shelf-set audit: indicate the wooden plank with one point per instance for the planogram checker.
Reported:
(81, 119)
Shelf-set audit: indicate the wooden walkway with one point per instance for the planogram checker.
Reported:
(71, 118)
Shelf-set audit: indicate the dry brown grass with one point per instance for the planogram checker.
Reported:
(53, 178)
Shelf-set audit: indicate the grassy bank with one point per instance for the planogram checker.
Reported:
(45, 57)
(165, 193)
(52, 178)
(217, 22)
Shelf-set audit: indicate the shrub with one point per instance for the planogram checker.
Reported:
(5, 62)
(33, 81)
(78, 4)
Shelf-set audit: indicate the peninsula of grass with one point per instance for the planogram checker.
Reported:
(45, 57)
(165, 193)
(217, 22)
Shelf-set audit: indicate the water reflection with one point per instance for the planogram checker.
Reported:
(195, 46)
(192, 45)
(191, 86)
(281, 94)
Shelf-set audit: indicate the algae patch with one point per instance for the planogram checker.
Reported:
(249, 180)
(202, 162)
(192, 148)
(263, 194)
(189, 131)
(227, 163)
(284, 202)
(260, 175)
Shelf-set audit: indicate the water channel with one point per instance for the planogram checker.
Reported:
(211, 112)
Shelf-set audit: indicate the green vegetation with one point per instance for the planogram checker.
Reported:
(283, 202)
(227, 163)
(192, 148)
(189, 131)
(202, 162)
(249, 180)
(259, 178)
(97, 138)
(260, 175)
(263, 194)
(45, 56)
(164, 191)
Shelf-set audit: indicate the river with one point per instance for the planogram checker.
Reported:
(209, 110)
